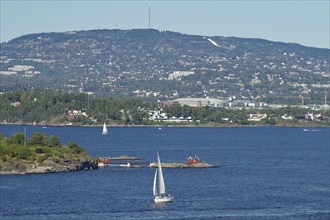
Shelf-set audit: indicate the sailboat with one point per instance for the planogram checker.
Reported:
(104, 130)
(160, 195)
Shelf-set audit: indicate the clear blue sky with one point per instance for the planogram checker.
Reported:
(304, 22)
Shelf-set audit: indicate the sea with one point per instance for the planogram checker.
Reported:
(261, 173)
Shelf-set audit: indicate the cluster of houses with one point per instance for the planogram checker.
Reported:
(27, 71)
(233, 103)
(302, 119)
(160, 116)
(74, 113)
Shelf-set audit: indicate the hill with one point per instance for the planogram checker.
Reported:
(163, 65)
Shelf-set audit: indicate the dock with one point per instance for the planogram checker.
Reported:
(122, 161)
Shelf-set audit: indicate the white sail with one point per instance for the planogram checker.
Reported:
(155, 182)
(160, 177)
(105, 130)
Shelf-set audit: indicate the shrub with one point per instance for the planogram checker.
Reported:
(23, 153)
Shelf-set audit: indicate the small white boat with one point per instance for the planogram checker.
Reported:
(160, 195)
(128, 165)
(100, 164)
(104, 130)
(312, 129)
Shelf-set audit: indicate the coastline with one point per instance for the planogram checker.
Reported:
(50, 165)
(206, 125)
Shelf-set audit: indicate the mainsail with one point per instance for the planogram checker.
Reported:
(160, 177)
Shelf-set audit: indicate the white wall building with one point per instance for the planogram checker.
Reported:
(178, 74)
(199, 102)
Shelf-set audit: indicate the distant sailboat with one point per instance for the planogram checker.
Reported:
(160, 195)
(105, 130)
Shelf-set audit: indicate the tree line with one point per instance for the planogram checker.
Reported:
(53, 107)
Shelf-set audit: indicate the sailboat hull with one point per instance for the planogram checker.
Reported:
(162, 199)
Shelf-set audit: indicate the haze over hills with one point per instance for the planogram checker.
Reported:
(163, 65)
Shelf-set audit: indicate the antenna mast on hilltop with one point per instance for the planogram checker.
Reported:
(149, 16)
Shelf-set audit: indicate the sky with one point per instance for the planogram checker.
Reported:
(296, 21)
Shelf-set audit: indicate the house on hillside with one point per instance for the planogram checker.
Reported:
(257, 117)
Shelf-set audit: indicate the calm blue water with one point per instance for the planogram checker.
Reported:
(263, 173)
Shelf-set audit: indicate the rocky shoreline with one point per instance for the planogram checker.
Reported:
(50, 165)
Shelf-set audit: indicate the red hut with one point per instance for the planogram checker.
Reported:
(104, 160)
(193, 159)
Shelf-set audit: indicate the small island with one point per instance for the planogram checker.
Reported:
(182, 165)
(41, 154)
(192, 162)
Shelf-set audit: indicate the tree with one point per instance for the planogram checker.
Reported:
(138, 117)
(38, 139)
(54, 141)
(16, 139)
(73, 146)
